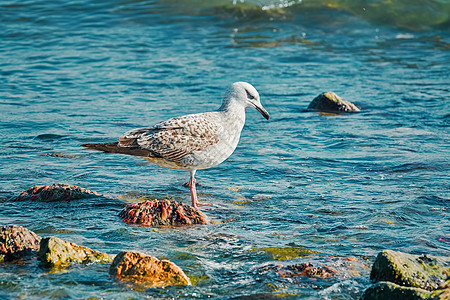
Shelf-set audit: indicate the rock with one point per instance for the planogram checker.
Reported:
(405, 276)
(55, 192)
(17, 241)
(147, 270)
(162, 213)
(419, 271)
(286, 253)
(330, 102)
(387, 290)
(344, 267)
(308, 270)
(56, 252)
(443, 292)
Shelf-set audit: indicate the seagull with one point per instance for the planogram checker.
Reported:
(191, 142)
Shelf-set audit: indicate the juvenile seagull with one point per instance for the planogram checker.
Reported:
(191, 142)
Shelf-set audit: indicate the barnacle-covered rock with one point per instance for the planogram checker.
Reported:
(162, 213)
(17, 241)
(147, 270)
(55, 192)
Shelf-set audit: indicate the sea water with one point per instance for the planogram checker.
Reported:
(339, 186)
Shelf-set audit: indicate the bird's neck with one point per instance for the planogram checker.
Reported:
(234, 111)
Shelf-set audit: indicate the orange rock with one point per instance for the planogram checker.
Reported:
(147, 270)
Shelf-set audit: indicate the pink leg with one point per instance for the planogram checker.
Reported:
(193, 189)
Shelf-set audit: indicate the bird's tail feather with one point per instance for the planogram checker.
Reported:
(115, 148)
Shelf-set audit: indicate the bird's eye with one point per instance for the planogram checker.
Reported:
(250, 96)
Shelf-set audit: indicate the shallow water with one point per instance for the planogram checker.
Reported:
(339, 185)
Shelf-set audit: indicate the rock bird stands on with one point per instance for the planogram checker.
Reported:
(191, 142)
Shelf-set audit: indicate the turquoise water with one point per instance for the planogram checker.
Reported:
(342, 186)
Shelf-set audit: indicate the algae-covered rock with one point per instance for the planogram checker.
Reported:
(56, 252)
(162, 213)
(330, 102)
(17, 241)
(147, 270)
(387, 290)
(421, 271)
(443, 292)
(405, 276)
(286, 253)
(55, 192)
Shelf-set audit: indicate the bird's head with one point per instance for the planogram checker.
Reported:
(247, 95)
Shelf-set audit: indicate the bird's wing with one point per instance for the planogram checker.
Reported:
(175, 138)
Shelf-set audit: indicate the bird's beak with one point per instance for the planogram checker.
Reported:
(262, 111)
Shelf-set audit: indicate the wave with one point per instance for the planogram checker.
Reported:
(407, 14)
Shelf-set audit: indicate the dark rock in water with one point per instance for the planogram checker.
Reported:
(17, 241)
(162, 213)
(55, 192)
(330, 102)
(147, 270)
(408, 276)
(56, 252)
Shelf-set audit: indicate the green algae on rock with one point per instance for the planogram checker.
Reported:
(55, 192)
(407, 276)
(56, 252)
(421, 271)
(147, 270)
(16, 242)
(285, 253)
(331, 103)
(387, 290)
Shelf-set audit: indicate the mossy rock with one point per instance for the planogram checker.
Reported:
(331, 103)
(387, 290)
(285, 253)
(56, 252)
(420, 271)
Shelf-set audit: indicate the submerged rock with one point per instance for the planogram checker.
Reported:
(147, 270)
(330, 102)
(286, 253)
(343, 267)
(55, 192)
(162, 213)
(17, 241)
(56, 252)
(308, 270)
(407, 276)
